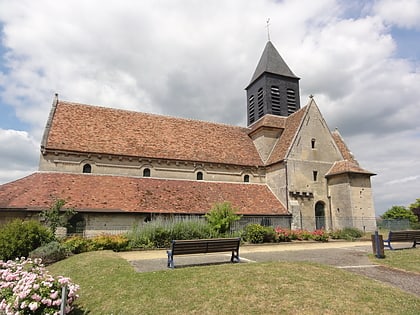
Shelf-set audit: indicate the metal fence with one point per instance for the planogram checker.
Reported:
(306, 223)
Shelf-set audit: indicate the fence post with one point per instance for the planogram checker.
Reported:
(63, 300)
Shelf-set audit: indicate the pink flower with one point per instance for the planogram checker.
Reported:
(33, 306)
(54, 295)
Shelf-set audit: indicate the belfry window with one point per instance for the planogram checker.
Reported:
(87, 168)
(246, 179)
(291, 101)
(199, 175)
(260, 100)
(146, 172)
(251, 109)
(275, 100)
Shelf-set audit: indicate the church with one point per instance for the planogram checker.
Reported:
(120, 168)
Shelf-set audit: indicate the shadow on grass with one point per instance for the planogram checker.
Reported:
(206, 264)
(79, 311)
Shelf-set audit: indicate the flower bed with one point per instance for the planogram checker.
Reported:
(27, 288)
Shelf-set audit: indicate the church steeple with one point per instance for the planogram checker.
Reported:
(274, 88)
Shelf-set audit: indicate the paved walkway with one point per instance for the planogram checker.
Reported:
(350, 256)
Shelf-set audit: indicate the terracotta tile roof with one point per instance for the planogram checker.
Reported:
(282, 147)
(270, 121)
(88, 192)
(93, 129)
(342, 167)
(347, 155)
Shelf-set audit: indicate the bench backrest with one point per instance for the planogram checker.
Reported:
(409, 235)
(205, 245)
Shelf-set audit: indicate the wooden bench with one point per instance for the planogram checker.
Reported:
(204, 246)
(403, 236)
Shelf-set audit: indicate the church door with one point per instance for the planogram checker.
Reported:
(320, 215)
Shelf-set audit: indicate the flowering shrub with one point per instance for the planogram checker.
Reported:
(283, 235)
(27, 288)
(320, 235)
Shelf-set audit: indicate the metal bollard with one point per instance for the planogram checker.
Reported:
(378, 245)
(63, 300)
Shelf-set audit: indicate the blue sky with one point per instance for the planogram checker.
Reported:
(361, 60)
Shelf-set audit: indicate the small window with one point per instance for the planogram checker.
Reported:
(246, 179)
(87, 168)
(315, 175)
(313, 143)
(199, 176)
(146, 172)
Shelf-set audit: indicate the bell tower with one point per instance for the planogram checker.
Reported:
(274, 88)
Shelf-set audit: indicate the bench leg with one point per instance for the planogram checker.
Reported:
(235, 257)
(170, 260)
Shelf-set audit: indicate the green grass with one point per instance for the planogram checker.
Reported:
(109, 285)
(406, 259)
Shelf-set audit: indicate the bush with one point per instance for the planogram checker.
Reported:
(50, 253)
(27, 288)
(283, 235)
(18, 238)
(160, 233)
(77, 244)
(348, 233)
(254, 233)
(221, 216)
(107, 241)
(320, 235)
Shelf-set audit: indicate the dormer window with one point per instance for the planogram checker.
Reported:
(199, 176)
(246, 179)
(146, 172)
(87, 168)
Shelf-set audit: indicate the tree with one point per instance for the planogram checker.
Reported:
(221, 216)
(398, 213)
(55, 216)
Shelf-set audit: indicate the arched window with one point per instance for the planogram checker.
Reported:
(146, 172)
(320, 215)
(313, 143)
(199, 176)
(246, 179)
(87, 168)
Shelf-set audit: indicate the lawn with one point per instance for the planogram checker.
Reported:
(407, 259)
(109, 285)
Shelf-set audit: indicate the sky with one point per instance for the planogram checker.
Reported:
(193, 59)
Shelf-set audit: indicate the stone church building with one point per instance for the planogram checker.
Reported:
(120, 168)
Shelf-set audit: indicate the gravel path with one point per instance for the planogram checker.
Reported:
(350, 256)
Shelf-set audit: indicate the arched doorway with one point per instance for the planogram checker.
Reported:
(320, 215)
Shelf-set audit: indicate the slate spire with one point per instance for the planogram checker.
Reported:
(274, 88)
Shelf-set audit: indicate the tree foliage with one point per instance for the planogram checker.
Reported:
(400, 212)
(221, 216)
(56, 216)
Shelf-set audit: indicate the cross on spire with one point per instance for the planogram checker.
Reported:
(268, 28)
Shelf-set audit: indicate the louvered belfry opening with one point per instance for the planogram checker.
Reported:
(274, 89)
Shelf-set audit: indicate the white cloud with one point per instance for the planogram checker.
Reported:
(193, 59)
(19, 154)
(402, 13)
